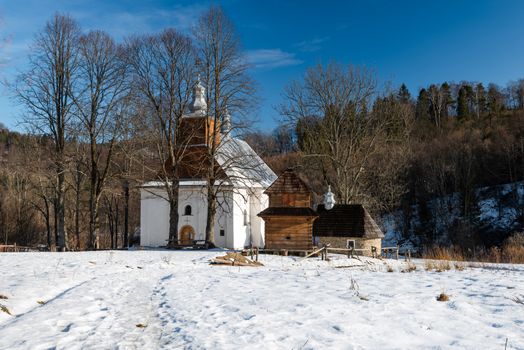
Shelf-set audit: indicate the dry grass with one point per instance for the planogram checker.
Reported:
(510, 252)
(141, 325)
(5, 309)
(443, 265)
(443, 253)
(3, 297)
(389, 268)
(41, 302)
(442, 297)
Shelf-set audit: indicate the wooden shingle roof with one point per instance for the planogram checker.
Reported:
(287, 211)
(346, 220)
(288, 182)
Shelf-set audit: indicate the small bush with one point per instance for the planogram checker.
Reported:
(390, 268)
(3, 297)
(442, 297)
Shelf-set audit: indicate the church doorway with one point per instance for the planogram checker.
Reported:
(186, 235)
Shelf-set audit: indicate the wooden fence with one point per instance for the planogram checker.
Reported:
(5, 248)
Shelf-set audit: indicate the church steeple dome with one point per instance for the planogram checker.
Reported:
(329, 199)
(198, 104)
(225, 127)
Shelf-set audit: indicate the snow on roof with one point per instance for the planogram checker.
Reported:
(181, 183)
(242, 165)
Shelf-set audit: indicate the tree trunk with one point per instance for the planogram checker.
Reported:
(61, 232)
(126, 214)
(211, 212)
(48, 224)
(115, 246)
(77, 206)
(110, 221)
(173, 213)
(93, 221)
(55, 221)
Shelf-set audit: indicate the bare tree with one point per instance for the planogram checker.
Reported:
(162, 68)
(46, 90)
(103, 86)
(229, 87)
(336, 133)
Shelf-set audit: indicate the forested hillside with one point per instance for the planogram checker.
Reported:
(429, 159)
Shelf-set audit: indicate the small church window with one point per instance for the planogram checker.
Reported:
(187, 210)
(222, 233)
(246, 218)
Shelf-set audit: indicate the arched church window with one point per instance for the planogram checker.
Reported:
(187, 210)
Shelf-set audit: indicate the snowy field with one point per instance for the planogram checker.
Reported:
(176, 300)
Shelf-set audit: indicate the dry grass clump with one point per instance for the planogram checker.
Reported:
(389, 268)
(443, 266)
(410, 267)
(3, 297)
(429, 265)
(459, 266)
(5, 309)
(442, 297)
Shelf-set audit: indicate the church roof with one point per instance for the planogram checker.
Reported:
(288, 182)
(242, 165)
(346, 220)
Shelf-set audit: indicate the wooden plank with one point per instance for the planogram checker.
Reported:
(313, 253)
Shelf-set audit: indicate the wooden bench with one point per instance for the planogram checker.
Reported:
(194, 244)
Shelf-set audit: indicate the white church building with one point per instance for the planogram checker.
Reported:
(240, 195)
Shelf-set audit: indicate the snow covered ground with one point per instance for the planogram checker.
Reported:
(95, 300)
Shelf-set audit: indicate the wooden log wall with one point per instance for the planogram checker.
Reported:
(289, 232)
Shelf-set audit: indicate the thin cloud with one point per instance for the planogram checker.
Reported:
(123, 23)
(312, 45)
(271, 58)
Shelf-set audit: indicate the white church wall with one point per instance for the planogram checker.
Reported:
(223, 220)
(241, 229)
(236, 216)
(154, 229)
(258, 202)
(154, 215)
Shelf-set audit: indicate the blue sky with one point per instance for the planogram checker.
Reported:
(412, 42)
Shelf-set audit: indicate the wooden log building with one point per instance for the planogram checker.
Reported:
(294, 222)
(289, 217)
